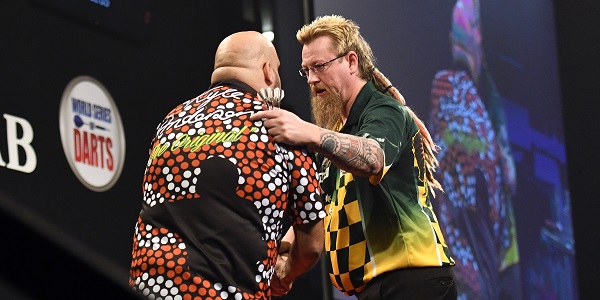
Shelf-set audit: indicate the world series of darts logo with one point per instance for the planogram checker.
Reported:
(92, 133)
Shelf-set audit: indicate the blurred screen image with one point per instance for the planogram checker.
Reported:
(483, 75)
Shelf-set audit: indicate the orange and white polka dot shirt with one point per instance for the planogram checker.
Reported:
(215, 194)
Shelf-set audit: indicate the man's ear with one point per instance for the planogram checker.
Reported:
(268, 74)
(353, 62)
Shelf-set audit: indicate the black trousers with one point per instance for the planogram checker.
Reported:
(428, 283)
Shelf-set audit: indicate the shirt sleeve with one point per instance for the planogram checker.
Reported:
(386, 124)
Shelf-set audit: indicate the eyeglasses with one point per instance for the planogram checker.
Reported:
(318, 68)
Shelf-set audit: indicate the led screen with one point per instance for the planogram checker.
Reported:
(483, 75)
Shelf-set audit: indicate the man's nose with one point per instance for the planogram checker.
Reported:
(311, 77)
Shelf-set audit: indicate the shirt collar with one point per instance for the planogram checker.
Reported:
(242, 86)
(360, 103)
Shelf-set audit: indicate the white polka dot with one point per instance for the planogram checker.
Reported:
(304, 181)
(318, 205)
(272, 173)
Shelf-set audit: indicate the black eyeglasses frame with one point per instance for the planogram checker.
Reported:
(318, 68)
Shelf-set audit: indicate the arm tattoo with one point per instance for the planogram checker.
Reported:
(352, 153)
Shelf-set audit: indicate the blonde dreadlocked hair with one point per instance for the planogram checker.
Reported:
(427, 144)
(346, 36)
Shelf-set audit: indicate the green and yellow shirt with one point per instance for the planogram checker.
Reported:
(375, 225)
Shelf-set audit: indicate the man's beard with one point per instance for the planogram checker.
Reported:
(328, 111)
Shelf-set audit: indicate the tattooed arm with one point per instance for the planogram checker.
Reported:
(357, 155)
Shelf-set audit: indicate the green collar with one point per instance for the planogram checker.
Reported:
(361, 102)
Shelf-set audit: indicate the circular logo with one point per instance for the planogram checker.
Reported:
(92, 133)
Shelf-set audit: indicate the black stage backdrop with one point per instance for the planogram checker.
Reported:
(151, 55)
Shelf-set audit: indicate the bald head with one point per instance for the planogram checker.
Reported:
(249, 57)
